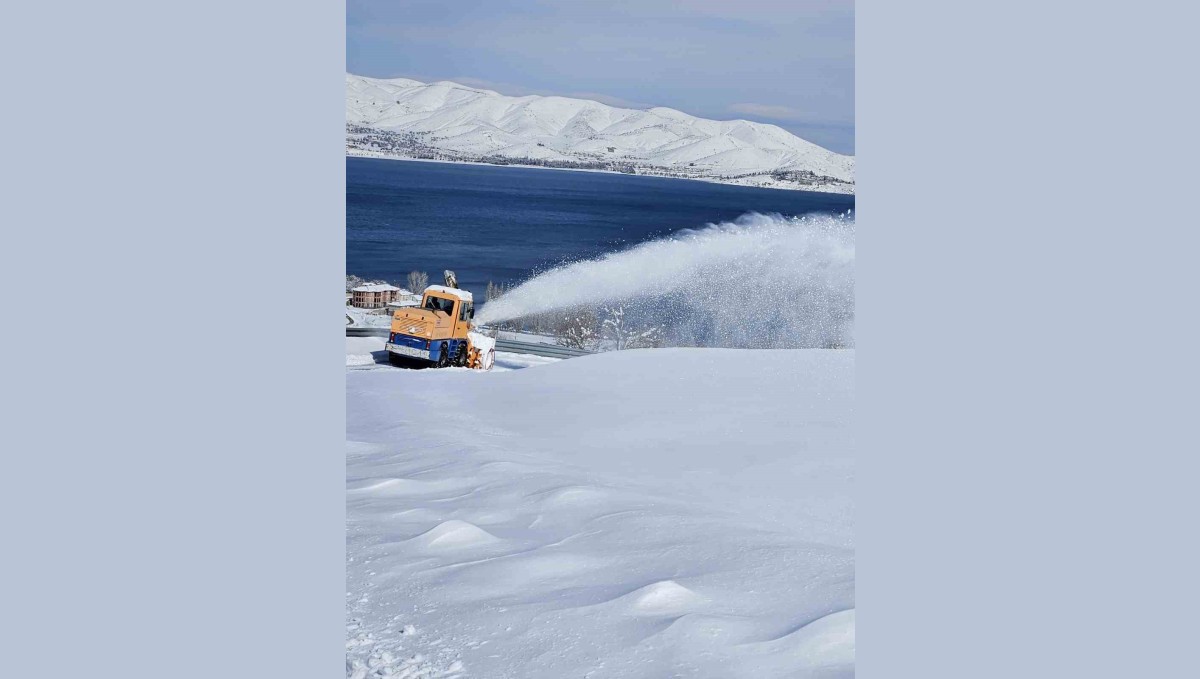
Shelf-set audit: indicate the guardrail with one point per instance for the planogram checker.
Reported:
(537, 349)
(511, 346)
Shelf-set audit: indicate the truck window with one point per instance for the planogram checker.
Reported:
(439, 304)
(467, 311)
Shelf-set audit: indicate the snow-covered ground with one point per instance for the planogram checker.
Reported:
(649, 513)
(410, 118)
(374, 318)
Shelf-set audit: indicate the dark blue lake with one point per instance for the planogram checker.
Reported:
(505, 223)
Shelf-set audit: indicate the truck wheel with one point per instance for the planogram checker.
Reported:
(460, 358)
(443, 357)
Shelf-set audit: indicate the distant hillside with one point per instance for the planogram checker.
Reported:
(446, 121)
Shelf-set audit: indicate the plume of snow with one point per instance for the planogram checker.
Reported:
(759, 281)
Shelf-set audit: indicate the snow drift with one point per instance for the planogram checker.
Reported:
(618, 515)
(762, 281)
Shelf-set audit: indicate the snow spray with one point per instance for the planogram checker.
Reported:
(760, 281)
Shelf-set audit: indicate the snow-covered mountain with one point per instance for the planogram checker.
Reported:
(404, 118)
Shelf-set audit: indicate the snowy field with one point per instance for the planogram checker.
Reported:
(374, 318)
(651, 513)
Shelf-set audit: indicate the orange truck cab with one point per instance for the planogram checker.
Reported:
(434, 333)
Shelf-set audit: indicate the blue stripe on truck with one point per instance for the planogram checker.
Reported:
(407, 341)
(435, 347)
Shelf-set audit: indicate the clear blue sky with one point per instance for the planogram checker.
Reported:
(790, 63)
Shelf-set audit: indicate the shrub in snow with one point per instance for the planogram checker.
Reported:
(624, 334)
(578, 330)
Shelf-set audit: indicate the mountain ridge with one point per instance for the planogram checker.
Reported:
(444, 120)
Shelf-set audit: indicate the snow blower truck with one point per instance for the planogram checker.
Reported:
(439, 333)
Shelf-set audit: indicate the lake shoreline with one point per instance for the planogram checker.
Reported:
(357, 153)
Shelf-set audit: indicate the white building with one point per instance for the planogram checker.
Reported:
(373, 296)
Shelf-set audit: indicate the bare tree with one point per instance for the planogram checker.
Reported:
(617, 329)
(494, 291)
(417, 281)
(577, 329)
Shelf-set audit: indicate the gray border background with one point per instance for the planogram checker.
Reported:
(173, 501)
(173, 490)
(1025, 339)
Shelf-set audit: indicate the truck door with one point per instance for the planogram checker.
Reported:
(465, 312)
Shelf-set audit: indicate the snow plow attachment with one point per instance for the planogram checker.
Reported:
(481, 354)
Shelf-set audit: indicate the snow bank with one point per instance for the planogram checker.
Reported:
(362, 351)
(365, 345)
(506, 361)
(649, 513)
(373, 318)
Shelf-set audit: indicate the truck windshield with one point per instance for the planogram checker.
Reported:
(439, 304)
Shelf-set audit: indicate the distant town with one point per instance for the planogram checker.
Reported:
(370, 142)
